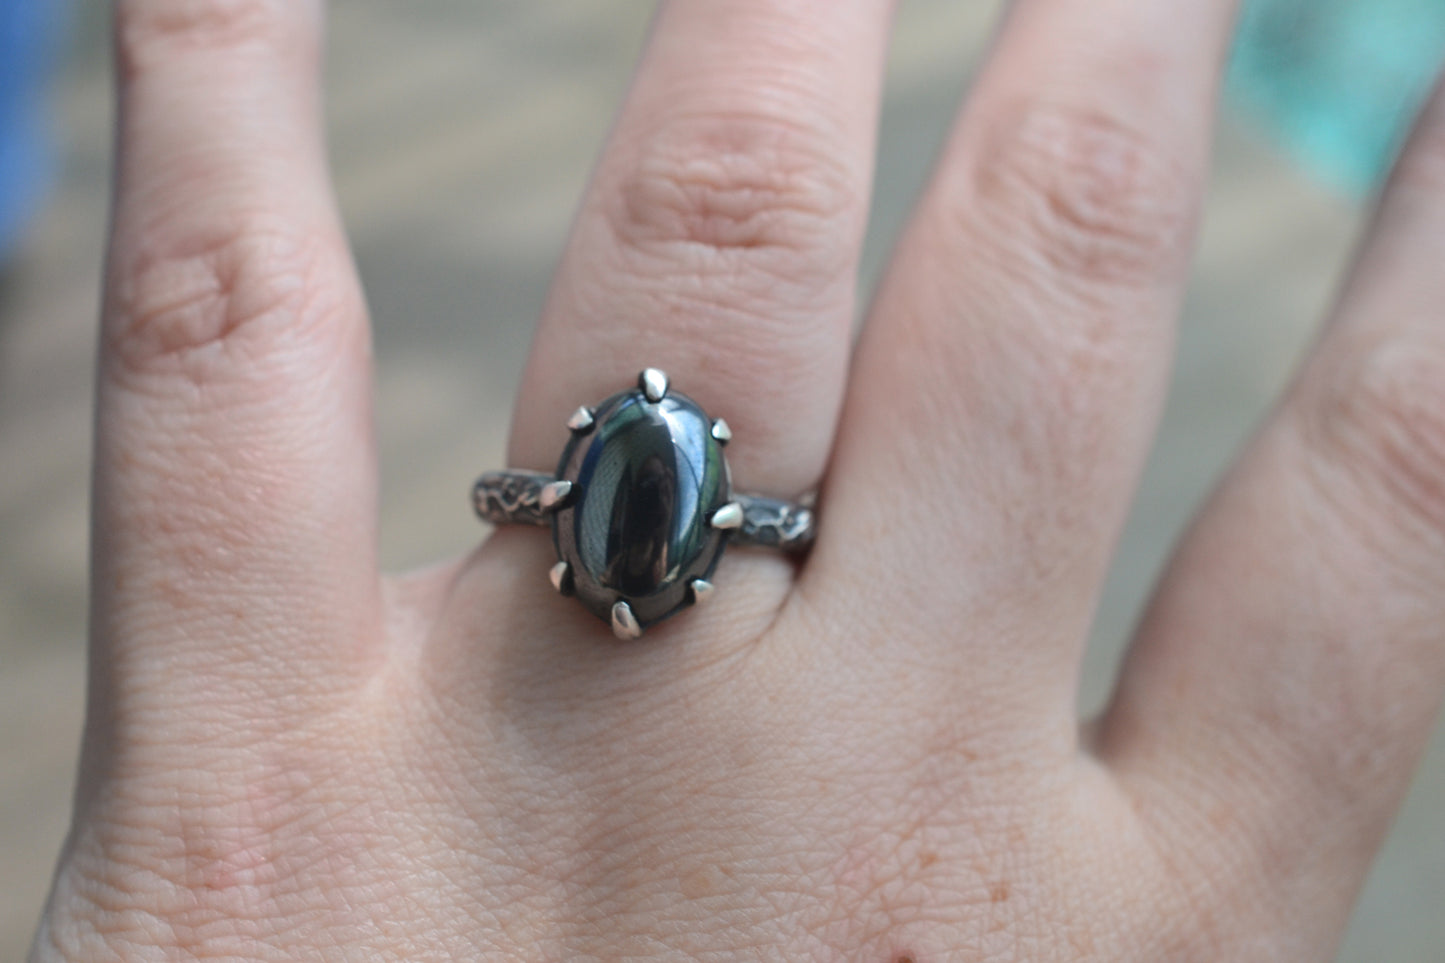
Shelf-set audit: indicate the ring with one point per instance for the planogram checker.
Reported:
(641, 506)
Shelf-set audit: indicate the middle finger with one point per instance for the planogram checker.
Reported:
(720, 236)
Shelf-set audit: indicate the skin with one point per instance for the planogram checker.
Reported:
(289, 756)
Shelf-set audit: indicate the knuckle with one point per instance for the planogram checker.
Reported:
(234, 293)
(740, 186)
(1379, 415)
(1091, 196)
(153, 31)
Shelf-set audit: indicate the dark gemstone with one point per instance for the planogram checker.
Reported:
(647, 478)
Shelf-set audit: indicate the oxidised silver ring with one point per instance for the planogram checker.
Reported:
(641, 506)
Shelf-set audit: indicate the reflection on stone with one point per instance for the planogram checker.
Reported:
(646, 478)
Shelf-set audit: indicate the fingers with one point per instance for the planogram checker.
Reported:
(719, 238)
(234, 479)
(1284, 682)
(1010, 374)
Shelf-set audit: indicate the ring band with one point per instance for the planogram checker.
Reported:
(514, 498)
(641, 506)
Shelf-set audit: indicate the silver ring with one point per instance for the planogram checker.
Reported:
(641, 506)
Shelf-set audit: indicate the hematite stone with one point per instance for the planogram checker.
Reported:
(647, 478)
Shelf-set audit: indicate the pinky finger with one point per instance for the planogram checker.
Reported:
(1285, 679)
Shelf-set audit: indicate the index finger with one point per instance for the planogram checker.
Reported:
(234, 482)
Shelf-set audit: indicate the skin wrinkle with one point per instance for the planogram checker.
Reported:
(746, 183)
(142, 25)
(1100, 203)
(179, 311)
(1378, 427)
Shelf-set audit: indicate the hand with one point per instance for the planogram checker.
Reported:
(873, 756)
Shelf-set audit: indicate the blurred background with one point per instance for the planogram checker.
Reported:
(462, 135)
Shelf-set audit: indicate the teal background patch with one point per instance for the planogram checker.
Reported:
(1337, 82)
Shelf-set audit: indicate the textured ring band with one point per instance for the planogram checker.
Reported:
(515, 498)
(641, 506)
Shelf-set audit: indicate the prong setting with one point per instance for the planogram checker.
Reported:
(620, 447)
(653, 382)
(556, 495)
(582, 420)
(561, 576)
(624, 623)
(730, 516)
(700, 589)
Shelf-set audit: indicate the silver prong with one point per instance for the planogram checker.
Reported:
(555, 495)
(561, 575)
(624, 623)
(701, 590)
(582, 420)
(729, 516)
(722, 432)
(653, 383)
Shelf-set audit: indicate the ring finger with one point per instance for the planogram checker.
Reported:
(1007, 383)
